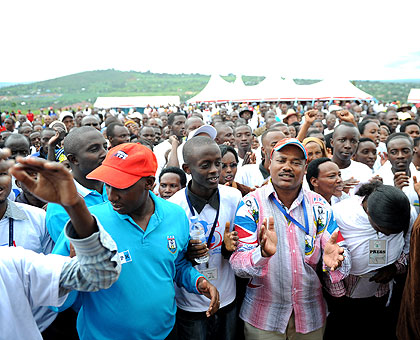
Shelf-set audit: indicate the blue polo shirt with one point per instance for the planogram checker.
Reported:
(141, 304)
(57, 216)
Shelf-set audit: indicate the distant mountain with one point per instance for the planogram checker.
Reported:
(83, 88)
(11, 84)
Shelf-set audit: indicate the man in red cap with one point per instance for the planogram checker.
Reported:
(152, 237)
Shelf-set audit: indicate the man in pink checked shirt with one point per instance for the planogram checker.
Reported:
(285, 232)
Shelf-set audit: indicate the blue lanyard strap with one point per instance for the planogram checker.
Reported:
(290, 218)
(213, 228)
(10, 232)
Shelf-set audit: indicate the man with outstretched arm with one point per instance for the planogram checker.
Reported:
(152, 235)
(28, 279)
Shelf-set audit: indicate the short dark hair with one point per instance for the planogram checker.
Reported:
(17, 137)
(76, 137)
(362, 125)
(224, 149)
(177, 171)
(388, 206)
(407, 123)
(364, 139)
(171, 117)
(397, 135)
(239, 126)
(194, 144)
(110, 130)
(346, 124)
(416, 141)
(313, 169)
(266, 132)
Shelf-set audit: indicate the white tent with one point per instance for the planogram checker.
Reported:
(272, 88)
(140, 101)
(275, 88)
(414, 96)
(216, 90)
(329, 89)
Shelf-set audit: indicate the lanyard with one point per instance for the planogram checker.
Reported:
(213, 228)
(11, 243)
(290, 218)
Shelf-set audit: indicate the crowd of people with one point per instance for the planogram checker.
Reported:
(309, 213)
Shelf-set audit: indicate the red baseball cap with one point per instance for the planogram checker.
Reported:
(289, 141)
(124, 165)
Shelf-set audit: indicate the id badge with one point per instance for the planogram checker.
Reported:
(377, 252)
(210, 273)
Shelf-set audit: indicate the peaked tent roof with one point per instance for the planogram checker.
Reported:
(414, 96)
(332, 89)
(216, 90)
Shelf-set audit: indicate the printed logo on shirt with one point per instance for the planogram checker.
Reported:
(125, 256)
(172, 244)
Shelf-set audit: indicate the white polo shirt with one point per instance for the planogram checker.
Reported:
(27, 280)
(30, 232)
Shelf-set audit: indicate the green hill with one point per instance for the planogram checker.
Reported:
(83, 88)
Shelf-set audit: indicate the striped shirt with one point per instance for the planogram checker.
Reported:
(286, 282)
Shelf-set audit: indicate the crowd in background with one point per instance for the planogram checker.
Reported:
(309, 209)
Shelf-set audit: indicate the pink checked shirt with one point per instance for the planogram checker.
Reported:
(287, 282)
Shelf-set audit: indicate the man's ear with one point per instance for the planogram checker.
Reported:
(150, 181)
(314, 182)
(72, 159)
(186, 168)
(332, 142)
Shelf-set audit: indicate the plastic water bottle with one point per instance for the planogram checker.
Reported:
(197, 233)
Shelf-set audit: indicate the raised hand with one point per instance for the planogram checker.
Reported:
(174, 141)
(349, 184)
(333, 253)
(268, 238)
(211, 292)
(416, 186)
(346, 116)
(249, 158)
(230, 238)
(310, 116)
(54, 182)
(401, 179)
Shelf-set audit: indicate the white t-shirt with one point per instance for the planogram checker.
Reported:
(225, 282)
(356, 229)
(160, 150)
(358, 171)
(27, 280)
(388, 178)
(249, 175)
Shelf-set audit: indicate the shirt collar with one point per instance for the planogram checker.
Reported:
(269, 189)
(14, 212)
(83, 191)
(199, 203)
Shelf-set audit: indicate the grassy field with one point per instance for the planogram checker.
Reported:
(78, 90)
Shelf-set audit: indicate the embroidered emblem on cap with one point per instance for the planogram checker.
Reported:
(121, 154)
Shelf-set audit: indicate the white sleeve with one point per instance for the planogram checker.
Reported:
(40, 275)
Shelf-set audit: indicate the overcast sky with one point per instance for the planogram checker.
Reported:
(355, 39)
